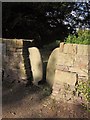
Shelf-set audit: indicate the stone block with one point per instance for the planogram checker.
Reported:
(12, 44)
(89, 50)
(19, 57)
(65, 77)
(66, 59)
(51, 66)
(57, 86)
(19, 43)
(81, 61)
(22, 73)
(70, 49)
(8, 44)
(83, 49)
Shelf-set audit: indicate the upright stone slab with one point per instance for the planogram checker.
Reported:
(36, 64)
(51, 66)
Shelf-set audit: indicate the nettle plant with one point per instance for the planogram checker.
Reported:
(82, 37)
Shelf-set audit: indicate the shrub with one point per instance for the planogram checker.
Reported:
(84, 88)
(83, 37)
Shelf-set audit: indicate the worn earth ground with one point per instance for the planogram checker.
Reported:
(20, 101)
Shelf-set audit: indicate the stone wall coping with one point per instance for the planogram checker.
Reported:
(73, 44)
(26, 40)
(69, 48)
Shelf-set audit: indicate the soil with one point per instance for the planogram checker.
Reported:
(20, 101)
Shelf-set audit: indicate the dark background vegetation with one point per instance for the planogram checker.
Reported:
(43, 22)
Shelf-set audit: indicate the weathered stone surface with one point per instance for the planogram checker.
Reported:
(70, 49)
(81, 61)
(3, 49)
(65, 77)
(62, 68)
(83, 49)
(13, 44)
(22, 71)
(51, 66)
(7, 43)
(63, 92)
(14, 65)
(17, 43)
(61, 47)
(36, 64)
(13, 59)
(66, 59)
(78, 71)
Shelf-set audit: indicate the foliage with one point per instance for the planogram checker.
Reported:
(33, 19)
(44, 22)
(79, 17)
(82, 37)
(84, 88)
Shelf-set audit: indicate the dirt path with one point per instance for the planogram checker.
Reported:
(20, 101)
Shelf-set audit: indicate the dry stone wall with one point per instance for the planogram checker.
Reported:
(73, 68)
(15, 58)
(75, 58)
